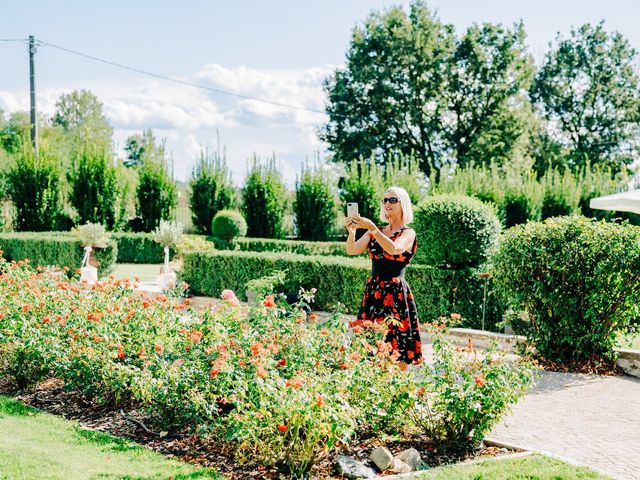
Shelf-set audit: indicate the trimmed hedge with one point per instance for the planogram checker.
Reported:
(301, 247)
(54, 248)
(340, 280)
(138, 248)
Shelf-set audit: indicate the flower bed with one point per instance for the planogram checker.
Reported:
(275, 386)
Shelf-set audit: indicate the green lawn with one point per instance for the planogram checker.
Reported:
(38, 445)
(146, 272)
(534, 467)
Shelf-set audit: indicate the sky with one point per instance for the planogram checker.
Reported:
(277, 50)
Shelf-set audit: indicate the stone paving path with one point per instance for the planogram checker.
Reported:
(588, 419)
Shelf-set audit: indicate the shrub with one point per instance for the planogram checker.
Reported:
(578, 282)
(459, 398)
(339, 280)
(363, 183)
(33, 184)
(211, 191)
(94, 191)
(60, 249)
(227, 225)
(137, 248)
(561, 194)
(263, 201)
(455, 231)
(301, 247)
(314, 205)
(156, 195)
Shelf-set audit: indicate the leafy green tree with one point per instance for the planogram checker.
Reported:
(314, 204)
(410, 86)
(588, 91)
(81, 115)
(33, 184)
(211, 190)
(156, 195)
(142, 147)
(94, 191)
(263, 200)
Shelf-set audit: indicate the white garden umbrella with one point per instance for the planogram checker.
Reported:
(619, 202)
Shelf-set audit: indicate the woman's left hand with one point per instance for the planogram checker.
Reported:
(362, 222)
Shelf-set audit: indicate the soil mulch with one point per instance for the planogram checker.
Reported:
(130, 423)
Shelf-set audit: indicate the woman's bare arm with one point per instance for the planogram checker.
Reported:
(356, 247)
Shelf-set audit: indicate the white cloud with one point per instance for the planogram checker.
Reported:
(188, 117)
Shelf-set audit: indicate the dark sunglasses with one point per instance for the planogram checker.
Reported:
(391, 200)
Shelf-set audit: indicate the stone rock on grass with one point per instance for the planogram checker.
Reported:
(354, 469)
(382, 457)
(411, 457)
(399, 466)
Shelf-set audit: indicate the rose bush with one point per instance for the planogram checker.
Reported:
(280, 386)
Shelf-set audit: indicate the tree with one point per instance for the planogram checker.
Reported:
(142, 147)
(410, 86)
(33, 184)
(211, 190)
(93, 183)
(156, 195)
(263, 200)
(80, 114)
(314, 205)
(587, 90)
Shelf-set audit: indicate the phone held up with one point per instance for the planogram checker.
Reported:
(352, 209)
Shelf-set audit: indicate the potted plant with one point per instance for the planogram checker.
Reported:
(168, 234)
(91, 235)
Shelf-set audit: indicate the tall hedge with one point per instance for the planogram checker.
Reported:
(363, 183)
(156, 195)
(455, 231)
(578, 280)
(314, 205)
(263, 200)
(51, 248)
(211, 191)
(33, 184)
(340, 280)
(93, 183)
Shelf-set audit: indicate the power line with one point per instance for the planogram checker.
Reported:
(175, 80)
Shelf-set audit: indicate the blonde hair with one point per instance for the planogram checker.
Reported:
(405, 203)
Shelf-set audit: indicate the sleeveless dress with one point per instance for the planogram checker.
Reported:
(388, 298)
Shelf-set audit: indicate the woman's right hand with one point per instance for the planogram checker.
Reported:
(348, 223)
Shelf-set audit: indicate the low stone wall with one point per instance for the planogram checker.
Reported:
(628, 360)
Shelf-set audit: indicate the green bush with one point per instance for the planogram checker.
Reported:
(314, 205)
(94, 191)
(263, 201)
(137, 248)
(51, 248)
(33, 184)
(455, 231)
(561, 194)
(362, 184)
(156, 195)
(578, 282)
(211, 191)
(227, 225)
(301, 247)
(340, 281)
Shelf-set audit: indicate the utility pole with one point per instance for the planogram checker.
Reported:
(32, 78)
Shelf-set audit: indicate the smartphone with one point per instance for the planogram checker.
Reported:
(352, 209)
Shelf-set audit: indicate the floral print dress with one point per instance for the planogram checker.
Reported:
(388, 298)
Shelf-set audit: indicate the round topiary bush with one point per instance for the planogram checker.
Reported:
(227, 225)
(576, 280)
(455, 231)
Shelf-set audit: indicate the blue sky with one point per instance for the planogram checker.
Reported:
(279, 50)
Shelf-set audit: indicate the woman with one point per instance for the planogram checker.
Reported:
(387, 296)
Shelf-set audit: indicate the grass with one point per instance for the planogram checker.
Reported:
(144, 271)
(38, 445)
(533, 467)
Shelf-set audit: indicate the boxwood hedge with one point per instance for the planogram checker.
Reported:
(340, 280)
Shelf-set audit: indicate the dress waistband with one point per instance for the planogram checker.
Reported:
(387, 269)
